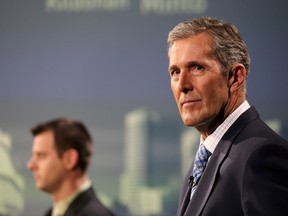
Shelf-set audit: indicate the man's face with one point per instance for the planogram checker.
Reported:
(200, 89)
(47, 167)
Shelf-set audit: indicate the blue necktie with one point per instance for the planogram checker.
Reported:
(200, 162)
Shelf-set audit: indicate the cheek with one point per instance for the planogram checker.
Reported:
(216, 90)
(175, 92)
(215, 97)
(56, 172)
(52, 165)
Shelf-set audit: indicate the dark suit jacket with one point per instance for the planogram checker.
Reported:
(86, 204)
(247, 174)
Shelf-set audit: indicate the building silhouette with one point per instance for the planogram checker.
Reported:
(189, 142)
(151, 162)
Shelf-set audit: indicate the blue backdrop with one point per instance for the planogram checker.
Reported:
(97, 60)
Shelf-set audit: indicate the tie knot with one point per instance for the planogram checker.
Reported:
(203, 152)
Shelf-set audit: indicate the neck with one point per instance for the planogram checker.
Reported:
(209, 127)
(70, 185)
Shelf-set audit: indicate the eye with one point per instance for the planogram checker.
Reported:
(174, 72)
(198, 67)
(40, 155)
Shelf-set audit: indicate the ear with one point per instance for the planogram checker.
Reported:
(70, 158)
(237, 77)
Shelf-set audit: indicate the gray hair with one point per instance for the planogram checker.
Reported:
(227, 45)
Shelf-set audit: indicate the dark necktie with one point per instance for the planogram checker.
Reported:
(200, 162)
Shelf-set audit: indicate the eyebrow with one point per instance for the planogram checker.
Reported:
(172, 67)
(187, 64)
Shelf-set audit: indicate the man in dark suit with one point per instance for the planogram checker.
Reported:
(61, 153)
(241, 167)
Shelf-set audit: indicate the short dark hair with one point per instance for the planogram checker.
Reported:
(69, 134)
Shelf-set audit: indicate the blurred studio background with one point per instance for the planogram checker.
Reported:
(105, 62)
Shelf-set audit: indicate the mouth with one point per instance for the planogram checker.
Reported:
(189, 102)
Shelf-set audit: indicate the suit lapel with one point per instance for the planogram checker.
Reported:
(207, 181)
(184, 203)
(49, 212)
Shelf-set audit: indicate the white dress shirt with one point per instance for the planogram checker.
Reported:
(213, 139)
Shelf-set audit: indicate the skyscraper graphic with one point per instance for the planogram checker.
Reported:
(189, 142)
(151, 158)
(138, 125)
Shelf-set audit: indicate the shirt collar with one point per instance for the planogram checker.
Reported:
(59, 208)
(213, 139)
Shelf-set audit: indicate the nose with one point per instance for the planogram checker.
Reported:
(184, 82)
(30, 164)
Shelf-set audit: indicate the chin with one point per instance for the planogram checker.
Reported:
(39, 186)
(188, 122)
(191, 122)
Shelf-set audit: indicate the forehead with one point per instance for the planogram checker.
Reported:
(196, 44)
(44, 141)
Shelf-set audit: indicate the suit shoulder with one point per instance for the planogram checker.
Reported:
(87, 204)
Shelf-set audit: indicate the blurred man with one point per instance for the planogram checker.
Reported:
(241, 167)
(61, 153)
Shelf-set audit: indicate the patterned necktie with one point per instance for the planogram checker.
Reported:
(200, 161)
